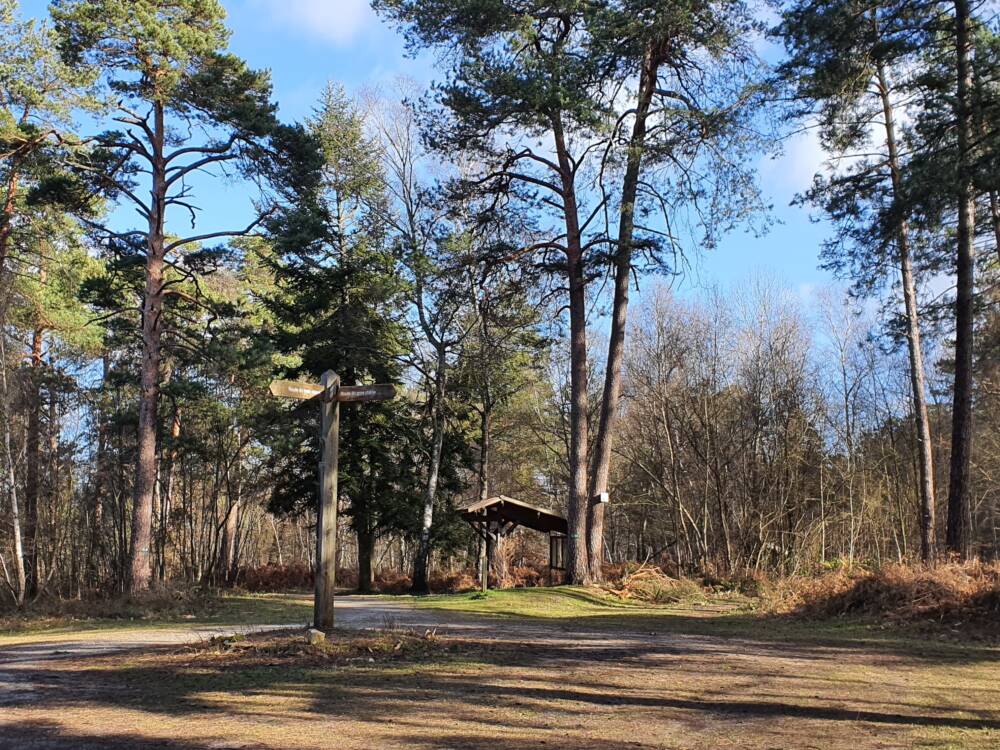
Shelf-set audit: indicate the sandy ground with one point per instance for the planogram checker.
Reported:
(529, 684)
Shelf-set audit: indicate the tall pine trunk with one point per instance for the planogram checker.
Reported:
(577, 567)
(959, 530)
(152, 326)
(20, 580)
(422, 560)
(918, 384)
(33, 461)
(619, 314)
(485, 430)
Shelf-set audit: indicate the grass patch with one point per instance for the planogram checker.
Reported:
(545, 603)
(163, 609)
(570, 608)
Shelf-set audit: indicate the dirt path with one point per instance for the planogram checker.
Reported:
(22, 663)
(527, 684)
(354, 612)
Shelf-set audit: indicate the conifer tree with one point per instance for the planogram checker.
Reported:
(184, 105)
(542, 95)
(338, 304)
(851, 63)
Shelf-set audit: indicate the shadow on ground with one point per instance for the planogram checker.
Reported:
(576, 690)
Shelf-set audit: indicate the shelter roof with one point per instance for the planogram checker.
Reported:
(508, 510)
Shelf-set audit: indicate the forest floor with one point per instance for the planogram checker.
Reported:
(533, 668)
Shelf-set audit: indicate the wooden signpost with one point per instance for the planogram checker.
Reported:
(330, 393)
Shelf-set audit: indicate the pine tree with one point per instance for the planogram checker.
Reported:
(535, 94)
(184, 105)
(849, 64)
(338, 304)
(41, 262)
(953, 140)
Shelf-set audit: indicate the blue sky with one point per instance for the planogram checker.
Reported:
(305, 43)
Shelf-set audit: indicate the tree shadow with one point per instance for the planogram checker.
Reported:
(408, 693)
(50, 735)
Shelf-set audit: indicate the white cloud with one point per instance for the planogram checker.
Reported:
(793, 170)
(337, 21)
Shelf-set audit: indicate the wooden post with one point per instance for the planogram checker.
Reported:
(484, 563)
(490, 547)
(329, 393)
(326, 522)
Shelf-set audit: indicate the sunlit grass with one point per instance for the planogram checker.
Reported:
(222, 610)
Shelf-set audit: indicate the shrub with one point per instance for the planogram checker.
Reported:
(949, 593)
(462, 580)
(271, 577)
(649, 584)
(392, 582)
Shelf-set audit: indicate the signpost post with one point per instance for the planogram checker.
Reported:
(330, 393)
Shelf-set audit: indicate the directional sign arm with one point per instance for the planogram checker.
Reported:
(293, 389)
(353, 393)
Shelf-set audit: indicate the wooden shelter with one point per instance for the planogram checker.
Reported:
(498, 516)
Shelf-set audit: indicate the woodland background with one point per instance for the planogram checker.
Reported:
(472, 245)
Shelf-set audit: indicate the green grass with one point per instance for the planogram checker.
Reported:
(547, 603)
(225, 609)
(573, 607)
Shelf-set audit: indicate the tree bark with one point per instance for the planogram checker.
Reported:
(227, 549)
(6, 223)
(366, 559)
(959, 529)
(33, 461)
(485, 428)
(152, 312)
(577, 569)
(11, 478)
(420, 565)
(918, 384)
(619, 314)
(485, 423)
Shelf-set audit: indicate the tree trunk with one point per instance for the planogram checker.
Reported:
(152, 326)
(229, 553)
(918, 385)
(485, 428)
(33, 461)
(6, 222)
(19, 584)
(959, 531)
(420, 564)
(995, 216)
(366, 562)
(227, 549)
(619, 314)
(577, 568)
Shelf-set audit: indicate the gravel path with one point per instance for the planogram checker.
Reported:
(19, 660)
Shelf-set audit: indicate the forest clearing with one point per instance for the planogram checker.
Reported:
(499, 373)
(568, 670)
